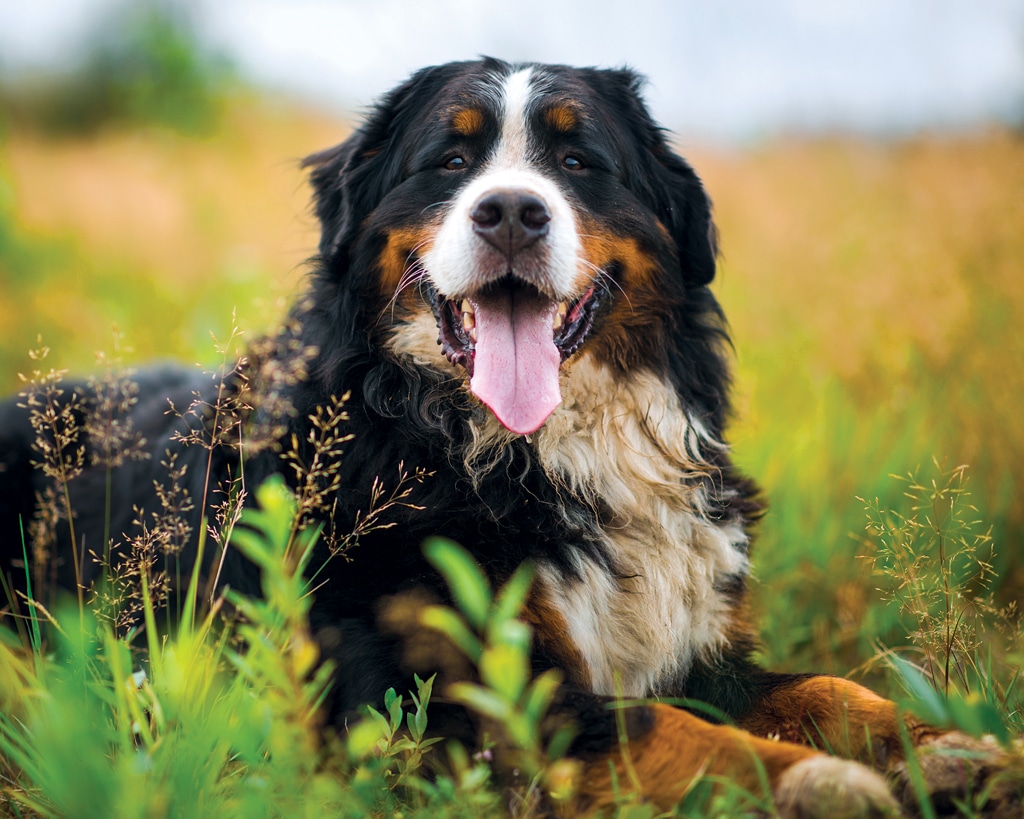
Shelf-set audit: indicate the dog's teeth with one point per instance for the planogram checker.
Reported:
(468, 319)
(559, 319)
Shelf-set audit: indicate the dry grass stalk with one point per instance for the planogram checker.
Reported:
(55, 418)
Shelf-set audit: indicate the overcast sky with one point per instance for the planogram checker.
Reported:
(725, 69)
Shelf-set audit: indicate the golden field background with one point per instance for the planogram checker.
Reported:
(875, 291)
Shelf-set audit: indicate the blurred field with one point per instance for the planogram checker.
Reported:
(158, 233)
(874, 292)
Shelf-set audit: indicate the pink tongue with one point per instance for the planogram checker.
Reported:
(515, 369)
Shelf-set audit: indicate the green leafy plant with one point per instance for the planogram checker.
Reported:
(211, 718)
(487, 630)
(411, 745)
(971, 713)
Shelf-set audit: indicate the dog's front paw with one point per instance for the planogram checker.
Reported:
(824, 786)
(959, 772)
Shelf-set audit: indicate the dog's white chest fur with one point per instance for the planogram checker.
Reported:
(627, 442)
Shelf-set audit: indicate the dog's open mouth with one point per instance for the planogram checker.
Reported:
(512, 339)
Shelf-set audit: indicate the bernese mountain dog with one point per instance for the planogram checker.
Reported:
(512, 291)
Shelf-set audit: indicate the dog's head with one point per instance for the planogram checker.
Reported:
(535, 213)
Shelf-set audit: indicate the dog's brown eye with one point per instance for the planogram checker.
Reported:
(571, 163)
(455, 163)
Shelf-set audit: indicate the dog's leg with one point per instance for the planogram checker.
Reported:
(847, 719)
(832, 714)
(663, 750)
(669, 749)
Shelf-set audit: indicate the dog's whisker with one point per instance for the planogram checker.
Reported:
(413, 274)
(596, 237)
(440, 204)
(605, 281)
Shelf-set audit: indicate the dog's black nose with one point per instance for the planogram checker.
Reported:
(510, 220)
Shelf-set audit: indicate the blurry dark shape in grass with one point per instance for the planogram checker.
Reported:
(144, 64)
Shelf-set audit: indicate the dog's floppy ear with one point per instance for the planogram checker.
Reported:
(686, 212)
(331, 175)
(350, 179)
(665, 181)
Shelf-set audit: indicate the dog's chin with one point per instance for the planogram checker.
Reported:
(511, 339)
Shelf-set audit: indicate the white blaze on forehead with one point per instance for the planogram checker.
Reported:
(516, 95)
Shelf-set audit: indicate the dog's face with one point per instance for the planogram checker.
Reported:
(531, 214)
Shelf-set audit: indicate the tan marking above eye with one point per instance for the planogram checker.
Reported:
(468, 122)
(561, 118)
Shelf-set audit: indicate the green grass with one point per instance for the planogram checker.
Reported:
(871, 289)
(217, 713)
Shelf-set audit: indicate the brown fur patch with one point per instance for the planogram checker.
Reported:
(602, 249)
(680, 747)
(631, 334)
(397, 257)
(834, 714)
(468, 122)
(552, 635)
(561, 118)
